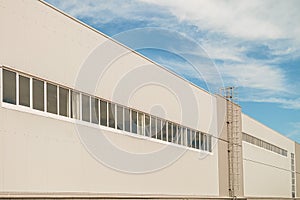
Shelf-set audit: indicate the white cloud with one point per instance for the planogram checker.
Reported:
(230, 29)
(256, 19)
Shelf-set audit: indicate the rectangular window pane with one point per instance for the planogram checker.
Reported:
(103, 113)
(174, 133)
(205, 142)
(179, 135)
(188, 137)
(197, 141)
(141, 123)
(51, 98)
(201, 141)
(127, 119)
(111, 113)
(85, 106)
(170, 130)
(153, 127)
(164, 130)
(24, 91)
(159, 131)
(133, 121)
(75, 105)
(9, 87)
(193, 138)
(38, 94)
(147, 125)
(95, 110)
(120, 117)
(183, 133)
(63, 102)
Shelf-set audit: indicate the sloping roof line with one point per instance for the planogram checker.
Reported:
(124, 46)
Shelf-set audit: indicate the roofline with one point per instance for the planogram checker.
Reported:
(124, 46)
(278, 133)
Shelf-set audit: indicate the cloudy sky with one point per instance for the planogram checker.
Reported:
(253, 45)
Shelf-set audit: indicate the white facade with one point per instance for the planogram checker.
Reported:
(45, 153)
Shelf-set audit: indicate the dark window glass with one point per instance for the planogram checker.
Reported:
(164, 130)
(183, 135)
(159, 130)
(193, 139)
(201, 141)
(103, 113)
(147, 125)
(63, 102)
(153, 127)
(111, 112)
(120, 117)
(9, 87)
(75, 105)
(38, 94)
(133, 121)
(197, 141)
(85, 108)
(127, 119)
(51, 98)
(170, 129)
(24, 91)
(95, 110)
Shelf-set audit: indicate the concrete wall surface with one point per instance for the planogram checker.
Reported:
(266, 173)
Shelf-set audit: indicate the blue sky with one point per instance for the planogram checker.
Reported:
(253, 45)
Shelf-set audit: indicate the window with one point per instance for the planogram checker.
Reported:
(170, 130)
(127, 119)
(205, 142)
(179, 135)
(85, 106)
(153, 127)
(38, 94)
(202, 141)
(63, 102)
(209, 147)
(141, 125)
(147, 126)
(51, 98)
(188, 137)
(24, 91)
(75, 105)
(174, 133)
(103, 113)
(46, 96)
(164, 130)
(183, 135)
(111, 113)
(119, 117)
(9, 87)
(193, 138)
(197, 141)
(133, 121)
(263, 144)
(159, 131)
(95, 110)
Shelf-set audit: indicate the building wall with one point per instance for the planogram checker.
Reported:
(44, 153)
(41, 154)
(266, 174)
(297, 169)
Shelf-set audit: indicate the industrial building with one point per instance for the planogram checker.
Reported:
(83, 116)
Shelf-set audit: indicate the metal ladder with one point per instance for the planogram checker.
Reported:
(234, 136)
